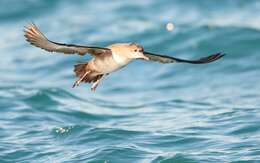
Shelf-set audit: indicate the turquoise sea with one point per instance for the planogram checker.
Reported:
(147, 112)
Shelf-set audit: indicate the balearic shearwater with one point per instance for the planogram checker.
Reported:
(105, 59)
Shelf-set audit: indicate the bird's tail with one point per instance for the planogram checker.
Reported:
(80, 69)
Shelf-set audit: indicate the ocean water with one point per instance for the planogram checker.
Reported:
(147, 112)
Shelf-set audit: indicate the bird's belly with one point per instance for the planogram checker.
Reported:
(107, 67)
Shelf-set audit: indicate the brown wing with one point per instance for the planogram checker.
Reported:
(169, 59)
(35, 37)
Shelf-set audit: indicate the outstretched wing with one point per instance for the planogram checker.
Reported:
(169, 59)
(35, 37)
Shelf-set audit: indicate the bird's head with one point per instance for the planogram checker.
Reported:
(123, 53)
(136, 51)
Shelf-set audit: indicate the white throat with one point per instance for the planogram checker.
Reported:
(119, 59)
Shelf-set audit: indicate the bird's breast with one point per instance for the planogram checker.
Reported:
(108, 64)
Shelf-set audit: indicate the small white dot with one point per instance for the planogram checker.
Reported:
(169, 26)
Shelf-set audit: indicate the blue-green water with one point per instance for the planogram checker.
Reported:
(146, 112)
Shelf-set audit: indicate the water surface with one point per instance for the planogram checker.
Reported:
(146, 112)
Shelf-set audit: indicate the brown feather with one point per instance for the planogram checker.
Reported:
(35, 37)
(81, 68)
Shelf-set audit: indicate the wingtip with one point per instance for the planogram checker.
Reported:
(221, 54)
(28, 24)
(218, 56)
(211, 58)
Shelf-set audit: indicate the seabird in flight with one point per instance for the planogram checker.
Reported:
(105, 59)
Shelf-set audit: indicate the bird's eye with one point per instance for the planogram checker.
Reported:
(135, 50)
